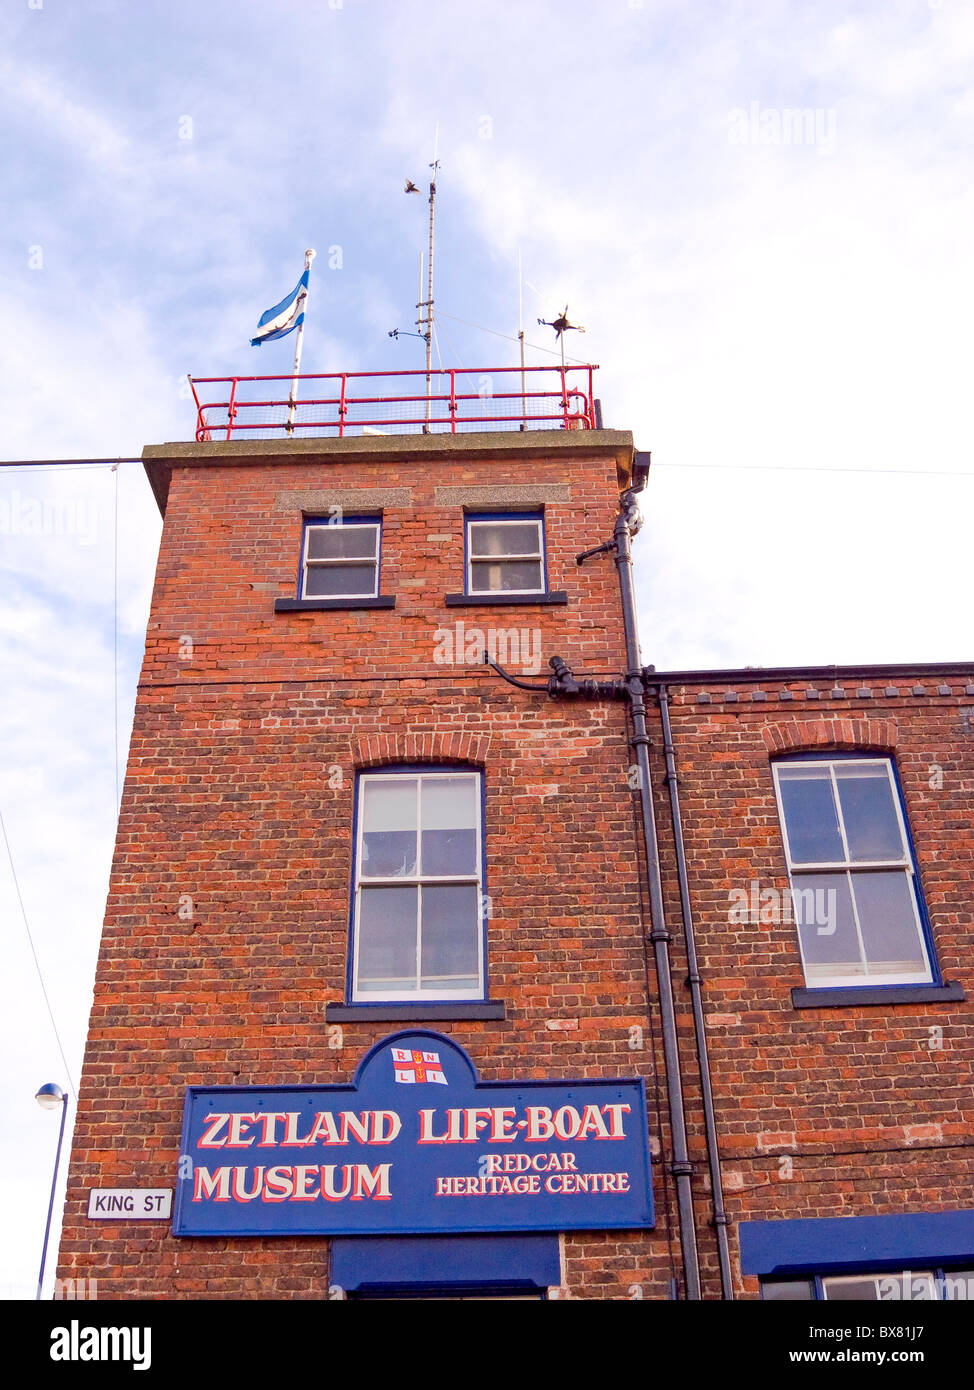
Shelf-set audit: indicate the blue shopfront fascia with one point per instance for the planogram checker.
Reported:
(394, 1266)
(846, 1244)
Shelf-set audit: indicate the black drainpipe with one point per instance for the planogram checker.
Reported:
(633, 688)
(659, 935)
(721, 1220)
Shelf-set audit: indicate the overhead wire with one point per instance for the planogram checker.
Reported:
(436, 344)
(115, 631)
(535, 347)
(32, 466)
(816, 468)
(74, 466)
(449, 343)
(63, 464)
(33, 949)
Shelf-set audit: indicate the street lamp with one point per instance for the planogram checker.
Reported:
(49, 1097)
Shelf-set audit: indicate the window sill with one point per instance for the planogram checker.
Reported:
(310, 605)
(429, 1011)
(859, 995)
(558, 596)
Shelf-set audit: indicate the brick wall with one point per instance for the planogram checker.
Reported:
(842, 1111)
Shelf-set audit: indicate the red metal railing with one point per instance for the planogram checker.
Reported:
(329, 402)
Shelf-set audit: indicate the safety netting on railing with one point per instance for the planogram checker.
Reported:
(356, 403)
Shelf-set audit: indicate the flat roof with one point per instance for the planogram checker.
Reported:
(160, 459)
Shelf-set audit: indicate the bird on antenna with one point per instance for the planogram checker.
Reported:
(411, 187)
(561, 324)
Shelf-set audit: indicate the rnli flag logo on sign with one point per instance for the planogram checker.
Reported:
(410, 1067)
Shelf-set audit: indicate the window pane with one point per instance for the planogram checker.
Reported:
(388, 827)
(787, 1289)
(451, 936)
(513, 575)
(387, 939)
(888, 922)
(449, 820)
(339, 581)
(868, 812)
(342, 542)
(810, 815)
(958, 1283)
(519, 538)
(916, 1286)
(826, 927)
(859, 1288)
(910, 1286)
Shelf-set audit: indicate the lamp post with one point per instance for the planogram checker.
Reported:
(49, 1097)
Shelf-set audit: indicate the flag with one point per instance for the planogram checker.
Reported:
(410, 1067)
(289, 314)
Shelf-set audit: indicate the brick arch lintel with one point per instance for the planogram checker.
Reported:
(810, 734)
(429, 747)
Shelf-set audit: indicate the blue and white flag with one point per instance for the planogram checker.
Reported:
(284, 317)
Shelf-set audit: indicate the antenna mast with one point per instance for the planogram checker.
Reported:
(427, 322)
(424, 308)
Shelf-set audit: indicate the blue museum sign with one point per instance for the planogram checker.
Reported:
(415, 1145)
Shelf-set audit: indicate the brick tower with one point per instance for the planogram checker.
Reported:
(339, 827)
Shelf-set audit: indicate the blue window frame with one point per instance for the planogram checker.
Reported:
(417, 911)
(855, 891)
(504, 553)
(340, 557)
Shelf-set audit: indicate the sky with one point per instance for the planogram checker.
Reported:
(760, 210)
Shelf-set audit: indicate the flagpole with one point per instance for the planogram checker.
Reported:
(299, 343)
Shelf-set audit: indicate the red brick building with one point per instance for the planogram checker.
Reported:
(841, 1045)
(314, 698)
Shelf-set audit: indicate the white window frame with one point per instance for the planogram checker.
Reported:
(417, 879)
(512, 558)
(848, 866)
(345, 560)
